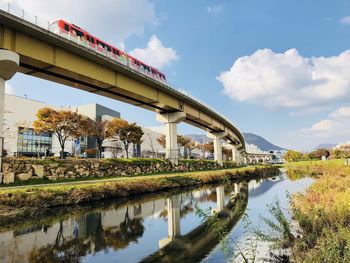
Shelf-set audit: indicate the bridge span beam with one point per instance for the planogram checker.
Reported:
(216, 136)
(171, 120)
(9, 65)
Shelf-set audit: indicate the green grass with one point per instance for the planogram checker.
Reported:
(323, 212)
(31, 200)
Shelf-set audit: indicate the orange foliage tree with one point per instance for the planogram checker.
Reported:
(99, 130)
(64, 124)
(127, 133)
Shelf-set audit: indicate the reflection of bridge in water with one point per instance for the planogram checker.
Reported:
(195, 245)
(115, 227)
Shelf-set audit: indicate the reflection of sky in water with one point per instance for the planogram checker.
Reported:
(154, 220)
(259, 198)
(156, 228)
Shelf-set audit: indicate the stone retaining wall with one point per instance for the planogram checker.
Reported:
(17, 169)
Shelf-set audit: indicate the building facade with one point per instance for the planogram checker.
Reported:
(20, 138)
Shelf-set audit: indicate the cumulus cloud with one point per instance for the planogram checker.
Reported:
(345, 20)
(113, 20)
(288, 79)
(336, 126)
(155, 53)
(343, 112)
(214, 9)
(9, 89)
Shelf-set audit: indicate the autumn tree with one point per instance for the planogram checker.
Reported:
(319, 153)
(209, 147)
(192, 145)
(341, 151)
(64, 124)
(182, 141)
(227, 152)
(127, 133)
(99, 131)
(293, 156)
(161, 140)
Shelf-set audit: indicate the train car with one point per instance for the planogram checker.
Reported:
(82, 37)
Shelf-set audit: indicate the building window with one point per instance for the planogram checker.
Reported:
(31, 143)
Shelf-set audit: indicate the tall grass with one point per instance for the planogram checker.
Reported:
(323, 213)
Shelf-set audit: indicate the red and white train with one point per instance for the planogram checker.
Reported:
(77, 34)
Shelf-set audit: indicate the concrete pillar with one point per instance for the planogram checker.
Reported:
(9, 65)
(234, 154)
(245, 160)
(239, 158)
(171, 120)
(216, 136)
(220, 198)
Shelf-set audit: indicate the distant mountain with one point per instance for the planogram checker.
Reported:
(326, 146)
(249, 138)
(259, 141)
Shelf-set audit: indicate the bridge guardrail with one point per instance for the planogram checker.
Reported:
(45, 24)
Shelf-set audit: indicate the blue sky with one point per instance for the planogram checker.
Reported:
(275, 68)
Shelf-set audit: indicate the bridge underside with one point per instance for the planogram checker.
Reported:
(51, 57)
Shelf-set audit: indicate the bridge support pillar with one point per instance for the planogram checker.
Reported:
(245, 160)
(234, 154)
(171, 120)
(216, 136)
(239, 158)
(9, 65)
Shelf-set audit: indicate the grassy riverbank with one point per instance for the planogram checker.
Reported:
(323, 212)
(32, 201)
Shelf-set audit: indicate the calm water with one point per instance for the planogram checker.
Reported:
(152, 228)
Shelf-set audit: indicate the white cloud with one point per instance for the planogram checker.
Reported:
(334, 129)
(288, 79)
(341, 113)
(215, 9)
(345, 20)
(9, 89)
(155, 53)
(309, 111)
(112, 20)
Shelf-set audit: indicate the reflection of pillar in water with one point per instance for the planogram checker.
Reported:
(173, 220)
(220, 198)
(174, 216)
(237, 188)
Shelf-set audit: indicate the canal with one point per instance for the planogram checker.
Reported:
(162, 227)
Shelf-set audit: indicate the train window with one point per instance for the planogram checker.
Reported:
(79, 33)
(108, 48)
(66, 27)
(116, 51)
(92, 40)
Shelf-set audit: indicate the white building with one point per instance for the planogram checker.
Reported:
(20, 138)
